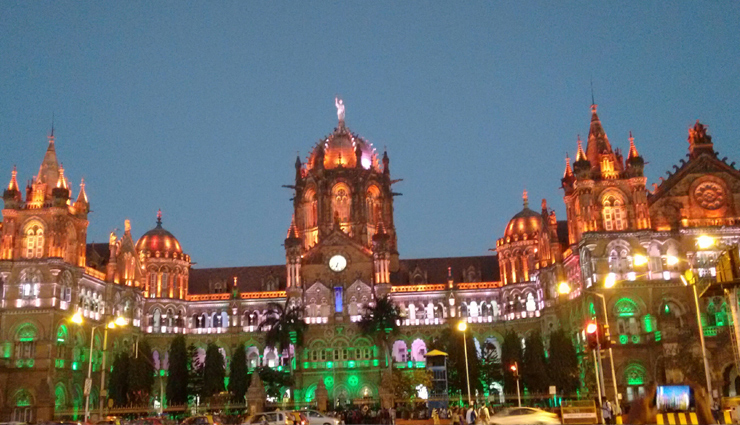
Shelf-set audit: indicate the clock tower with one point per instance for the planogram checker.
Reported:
(341, 245)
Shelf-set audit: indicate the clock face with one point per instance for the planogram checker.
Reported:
(337, 263)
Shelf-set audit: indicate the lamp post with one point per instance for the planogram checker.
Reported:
(462, 326)
(515, 370)
(119, 321)
(609, 282)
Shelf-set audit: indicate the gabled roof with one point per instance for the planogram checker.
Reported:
(705, 163)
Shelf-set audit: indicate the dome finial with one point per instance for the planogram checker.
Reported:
(339, 103)
(159, 218)
(525, 198)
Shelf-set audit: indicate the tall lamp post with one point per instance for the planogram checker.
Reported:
(119, 321)
(609, 282)
(462, 327)
(515, 370)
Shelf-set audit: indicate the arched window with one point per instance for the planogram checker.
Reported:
(25, 345)
(614, 213)
(61, 346)
(224, 319)
(157, 320)
(165, 285)
(310, 218)
(60, 397)
(373, 205)
(340, 204)
(70, 249)
(531, 305)
(619, 260)
(34, 240)
(23, 407)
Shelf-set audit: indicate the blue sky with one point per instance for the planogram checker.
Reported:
(199, 108)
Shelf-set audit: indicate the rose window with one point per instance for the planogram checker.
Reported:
(709, 195)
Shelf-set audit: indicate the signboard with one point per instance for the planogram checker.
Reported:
(579, 412)
(88, 386)
(553, 390)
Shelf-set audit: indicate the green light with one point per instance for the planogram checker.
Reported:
(658, 336)
(351, 363)
(375, 362)
(625, 307)
(648, 323)
(329, 365)
(305, 365)
(329, 381)
(26, 339)
(59, 363)
(353, 380)
(60, 339)
(623, 339)
(161, 372)
(635, 339)
(410, 364)
(667, 309)
(280, 368)
(75, 365)
(226, 381)
(420, 365)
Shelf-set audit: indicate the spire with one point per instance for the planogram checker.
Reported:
(292, 230)
(62, 181)
(13, 185)
(633, 150)
(525, 198)
(580, 154)
(597, 143)
(49, 170)
(82, 197)
(568, 171)
(159, 218)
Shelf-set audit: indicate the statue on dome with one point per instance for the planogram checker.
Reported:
(340, 108)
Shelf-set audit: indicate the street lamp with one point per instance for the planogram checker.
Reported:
(515, 370)
(462, 326)
(118, 321)
(609, 282)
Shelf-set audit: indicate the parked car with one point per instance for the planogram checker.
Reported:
(524, 415)
(317, 418)
(299, 418)
(279, 417)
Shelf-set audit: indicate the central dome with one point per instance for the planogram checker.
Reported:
(159, 240)
(340, 150)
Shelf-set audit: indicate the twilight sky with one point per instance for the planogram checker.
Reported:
(199, 108)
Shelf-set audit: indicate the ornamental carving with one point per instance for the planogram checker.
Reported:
(709, 195)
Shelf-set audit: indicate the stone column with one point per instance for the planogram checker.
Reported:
(256, 394)
(322, 396)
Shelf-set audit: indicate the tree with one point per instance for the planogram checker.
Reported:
(214, 371)
(285, 326)
(379, 322)
(407, 382)
(688, 358)
(562, 365)
(511, 352)
(177, 381)
(490, 365)
(450, 341)
(273, 380)
(118, 379)
(533, 367)
(195, 373)
(140, 375)
(239, 374)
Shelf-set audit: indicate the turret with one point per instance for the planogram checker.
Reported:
(582, 166)
(700, 142)
(12, 195)
(635, 163)
(82, 206)
(60, 194)
(293, 256)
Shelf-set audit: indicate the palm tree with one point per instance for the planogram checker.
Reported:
(284, 326)
(380, 322)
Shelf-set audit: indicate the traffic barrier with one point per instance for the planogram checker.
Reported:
(680, 418)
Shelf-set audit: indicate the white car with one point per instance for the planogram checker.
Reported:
(318, 418)
(271, 418)
(524, 415)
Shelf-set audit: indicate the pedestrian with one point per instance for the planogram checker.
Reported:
(392, 413)
(435, 416)
(484, 415)
(606, 411)
(455, 416)
(470, 415)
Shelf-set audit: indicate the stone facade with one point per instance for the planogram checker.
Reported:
(341, 254)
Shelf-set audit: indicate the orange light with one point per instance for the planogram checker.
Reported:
(513, 368)
(591, 328)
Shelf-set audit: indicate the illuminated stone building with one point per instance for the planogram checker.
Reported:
(341, 253)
